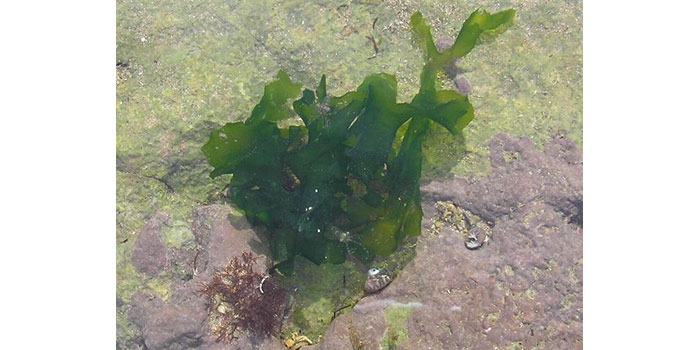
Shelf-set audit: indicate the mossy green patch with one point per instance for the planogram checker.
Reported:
(319, 291)
(126, 331)
(177, 233)
(396, 331)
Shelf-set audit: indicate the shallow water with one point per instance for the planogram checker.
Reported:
(184, 68)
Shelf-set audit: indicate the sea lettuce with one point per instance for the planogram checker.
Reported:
(346, 180)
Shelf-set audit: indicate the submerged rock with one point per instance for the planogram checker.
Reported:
(175, 327)
(520, 174)
(149, 254)
(181, 321)
(221, 235)
(522, 289)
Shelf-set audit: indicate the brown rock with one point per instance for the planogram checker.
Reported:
(142, 306)
(149, 254)
(244, 342)
(175, 327)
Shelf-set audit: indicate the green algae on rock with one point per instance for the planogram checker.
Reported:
(339, 180)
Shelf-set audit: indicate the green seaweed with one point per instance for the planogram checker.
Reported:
(345, 177)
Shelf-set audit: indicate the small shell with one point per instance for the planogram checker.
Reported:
(476, 237)
(472, 243)
(376, 280)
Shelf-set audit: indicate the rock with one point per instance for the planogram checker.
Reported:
(182, 321)
(245, 342)
(462, 85)
(185, 262)
(523, 288)
(175, 327)
(221, 235)
(149, 254)
(360, 329)
(142, 306)
(177, 324)
(520, 174)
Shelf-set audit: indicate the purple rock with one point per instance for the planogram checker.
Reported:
(149, 254)
(523, 288)
(142, 306)
(462, 85)
(520, 175)
(175, 327)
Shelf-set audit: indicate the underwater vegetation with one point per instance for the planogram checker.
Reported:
(336, 175)
(241, 299)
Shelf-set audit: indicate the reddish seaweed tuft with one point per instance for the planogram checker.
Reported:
(237, 304)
